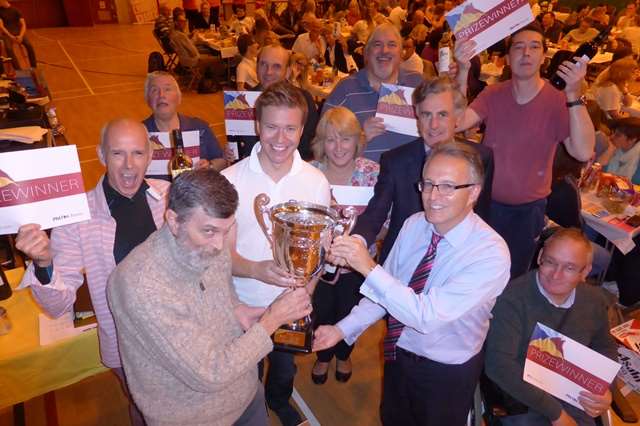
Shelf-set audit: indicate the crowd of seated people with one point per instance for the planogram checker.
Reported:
(448, 250)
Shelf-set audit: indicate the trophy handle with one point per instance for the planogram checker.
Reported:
(344, 227)
(261, 210)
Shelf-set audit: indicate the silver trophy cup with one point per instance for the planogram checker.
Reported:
(300, 235)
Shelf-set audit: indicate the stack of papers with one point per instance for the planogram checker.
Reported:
(628, 334)
(27, 134)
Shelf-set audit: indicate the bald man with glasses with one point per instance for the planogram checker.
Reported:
(554, 294)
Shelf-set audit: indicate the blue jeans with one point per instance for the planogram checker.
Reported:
(520, 226)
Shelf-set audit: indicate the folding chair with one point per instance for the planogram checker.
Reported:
(171, 56)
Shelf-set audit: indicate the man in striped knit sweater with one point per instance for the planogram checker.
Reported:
(125, 209)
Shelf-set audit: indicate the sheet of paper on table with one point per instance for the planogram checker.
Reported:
(42, 186)
(26, 134)
(52, 330)
(163, 150)
(488, 21)
(396, 108)
(563, 367)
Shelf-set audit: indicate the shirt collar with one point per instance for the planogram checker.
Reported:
(255, 166)
(567, 303)
(459, 233)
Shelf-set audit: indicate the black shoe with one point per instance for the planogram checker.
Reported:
(319, 379)
(340, 376)
(288, 416)
(343, 377)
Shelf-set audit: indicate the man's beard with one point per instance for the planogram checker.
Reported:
(197, 258)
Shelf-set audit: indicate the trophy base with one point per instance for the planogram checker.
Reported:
(300, 340)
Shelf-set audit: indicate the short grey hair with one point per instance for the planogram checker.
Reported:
(437, 85)
(464, 152)
(152, 76)
(386, 26)
(205, 188)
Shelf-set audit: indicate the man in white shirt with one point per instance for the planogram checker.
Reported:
(276, 169)
(411, 62)
(399, 13)
(311, 44)
(455, 266)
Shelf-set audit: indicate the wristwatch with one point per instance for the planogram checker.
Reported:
(580, 101)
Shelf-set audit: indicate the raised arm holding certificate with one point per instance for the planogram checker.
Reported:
(488, 21)
(42, 186)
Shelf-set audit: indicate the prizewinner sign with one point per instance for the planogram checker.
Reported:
(42, 186)
(563, 367)
(488, 21)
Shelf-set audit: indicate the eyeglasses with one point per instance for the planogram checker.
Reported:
(552, 265)
(443, 188)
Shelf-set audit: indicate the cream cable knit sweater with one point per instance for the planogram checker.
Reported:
(186, 358)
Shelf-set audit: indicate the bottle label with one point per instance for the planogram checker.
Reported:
(176, 172)
(444, 60)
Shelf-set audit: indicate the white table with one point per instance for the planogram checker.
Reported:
(609, 225)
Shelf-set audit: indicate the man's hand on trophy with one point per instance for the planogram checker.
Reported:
(290, 306)
(326, 336)
(267, 271)
(351, 251)
(247, 315)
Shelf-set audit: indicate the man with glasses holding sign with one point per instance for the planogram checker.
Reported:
(438, 286)
(551, 295)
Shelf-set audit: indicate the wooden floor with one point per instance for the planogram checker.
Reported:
(97, 74)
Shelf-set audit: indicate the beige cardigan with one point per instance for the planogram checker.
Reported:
(186, 357)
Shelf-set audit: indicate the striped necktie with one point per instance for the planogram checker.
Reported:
(417, 283)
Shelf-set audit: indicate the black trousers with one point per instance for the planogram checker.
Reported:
(420, 392)
(331, 303)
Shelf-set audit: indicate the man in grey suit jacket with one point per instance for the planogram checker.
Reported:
(439, 104)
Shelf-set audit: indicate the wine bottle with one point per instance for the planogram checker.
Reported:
(587, 50)
(5, 288)
(180, 162)
(444, 53)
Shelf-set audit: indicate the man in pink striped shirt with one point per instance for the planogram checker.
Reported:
(125, 210)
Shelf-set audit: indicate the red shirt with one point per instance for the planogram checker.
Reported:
(523, 139)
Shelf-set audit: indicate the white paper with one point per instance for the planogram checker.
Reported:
(42, 186)
(488, 21)
(239, 112)
(563, 367)
(26, 134)
(352, 195)
(163, 150)
(53, 330)
(396, 108)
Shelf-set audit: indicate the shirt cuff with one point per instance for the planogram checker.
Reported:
(43, 274)
(376, 284)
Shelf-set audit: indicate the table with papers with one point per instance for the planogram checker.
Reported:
(610, 226)
(28, 369)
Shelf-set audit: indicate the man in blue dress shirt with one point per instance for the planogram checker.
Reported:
(438, 286)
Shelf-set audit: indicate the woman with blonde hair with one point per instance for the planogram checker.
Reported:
(299, 70)
(337, 148)
(610, 88)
